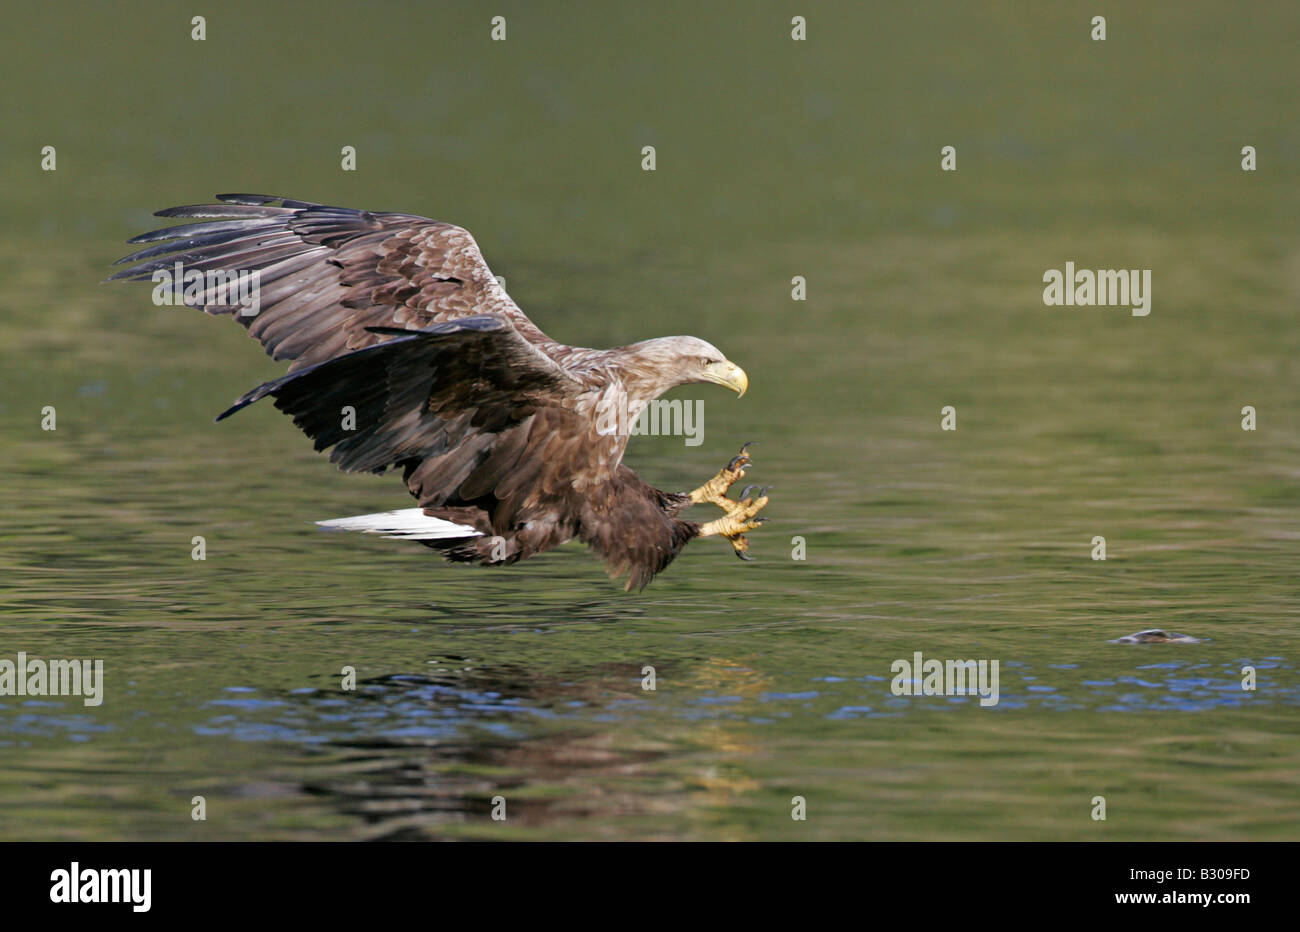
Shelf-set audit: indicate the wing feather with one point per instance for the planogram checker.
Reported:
(419, 393)
(313, 262)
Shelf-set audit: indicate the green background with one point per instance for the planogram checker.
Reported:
(775, 158)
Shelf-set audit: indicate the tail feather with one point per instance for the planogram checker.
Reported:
(407, 524)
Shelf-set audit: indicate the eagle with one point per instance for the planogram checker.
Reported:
(405, 352)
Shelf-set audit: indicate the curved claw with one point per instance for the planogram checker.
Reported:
(744, 493)
(765, 489)
(744, 556)
(742, 455)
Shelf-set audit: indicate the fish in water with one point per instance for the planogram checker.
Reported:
(1155, 636)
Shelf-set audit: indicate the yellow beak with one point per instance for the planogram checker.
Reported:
(729, 374)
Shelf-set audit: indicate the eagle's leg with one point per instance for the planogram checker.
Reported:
(740, 515)
(736, 522)
(715, 490)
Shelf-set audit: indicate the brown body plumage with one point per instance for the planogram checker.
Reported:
(498, 429)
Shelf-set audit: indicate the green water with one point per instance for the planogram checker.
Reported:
(775, 159)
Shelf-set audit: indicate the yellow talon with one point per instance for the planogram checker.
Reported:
(740, 515)
(735, 523)
(715, 490)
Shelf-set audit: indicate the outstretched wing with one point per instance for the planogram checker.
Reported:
(420, 394)
(327, 274)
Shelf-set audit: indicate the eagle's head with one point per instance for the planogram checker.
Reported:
(666, 362)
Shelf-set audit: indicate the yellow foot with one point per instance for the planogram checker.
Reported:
(715, 490)
(739, 519)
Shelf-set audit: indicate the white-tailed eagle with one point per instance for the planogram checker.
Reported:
(504, 436)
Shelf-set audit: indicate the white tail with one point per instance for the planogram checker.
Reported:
(407, 524)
